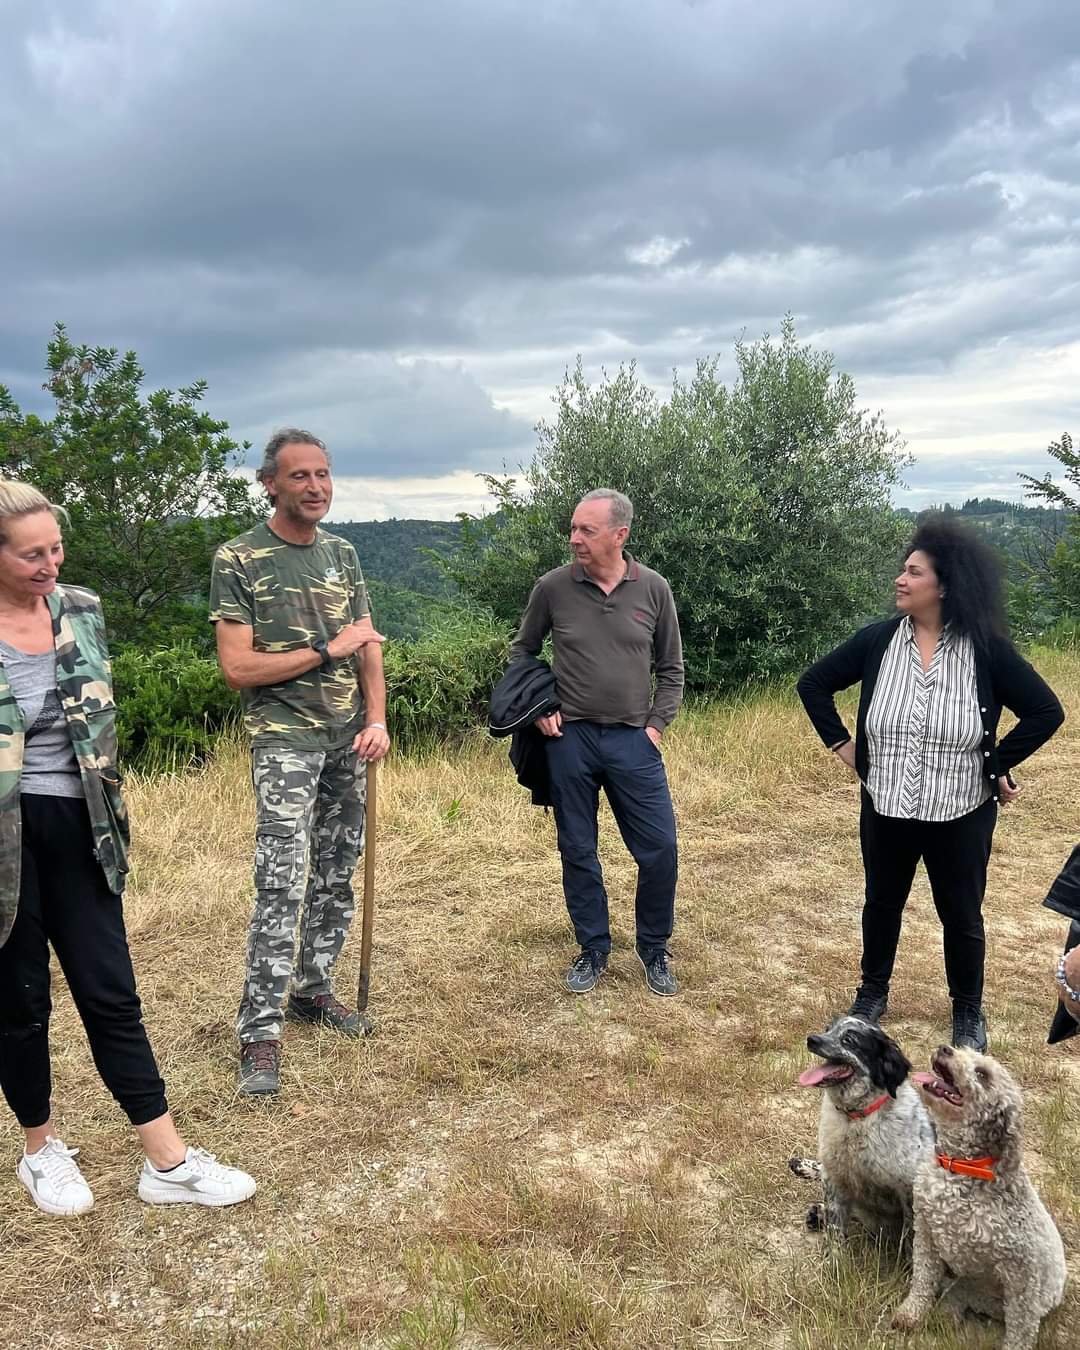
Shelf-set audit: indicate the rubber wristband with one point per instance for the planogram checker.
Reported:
(371, 725)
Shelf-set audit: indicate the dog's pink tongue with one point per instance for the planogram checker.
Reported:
(816, 1076)
(926, 1079)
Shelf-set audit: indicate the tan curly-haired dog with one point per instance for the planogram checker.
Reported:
(978, 1218)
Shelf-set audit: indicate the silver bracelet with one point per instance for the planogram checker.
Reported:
(369, 726)
(1072, 994)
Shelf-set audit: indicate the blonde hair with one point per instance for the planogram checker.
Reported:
(23, 499)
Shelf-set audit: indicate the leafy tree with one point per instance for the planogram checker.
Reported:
(766, 504)
(1064, 563)
(147, 483)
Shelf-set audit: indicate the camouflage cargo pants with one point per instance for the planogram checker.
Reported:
(309, 833)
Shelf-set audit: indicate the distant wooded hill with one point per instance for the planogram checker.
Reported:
(409, 590)
(393, 551)
(1024, 534)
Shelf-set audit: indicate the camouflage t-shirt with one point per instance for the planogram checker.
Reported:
(290, 595)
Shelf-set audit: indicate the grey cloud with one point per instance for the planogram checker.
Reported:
(383, 418)
(944, 481)
(238, 191)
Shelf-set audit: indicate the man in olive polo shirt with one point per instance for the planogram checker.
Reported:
(613, 626)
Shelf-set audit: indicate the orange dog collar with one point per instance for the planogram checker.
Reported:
(980, 1168)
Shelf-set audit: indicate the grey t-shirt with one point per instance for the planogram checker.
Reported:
(49, 766)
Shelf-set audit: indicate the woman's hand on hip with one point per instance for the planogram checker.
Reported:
(1007, 791)
(846, 753)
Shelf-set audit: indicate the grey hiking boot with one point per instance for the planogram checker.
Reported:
(658, 974)
(585, 971)
(325, 1010)
(260, 1068)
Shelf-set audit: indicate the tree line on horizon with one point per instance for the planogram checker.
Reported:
(766, 503)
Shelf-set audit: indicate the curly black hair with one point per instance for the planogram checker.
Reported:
(970, 574)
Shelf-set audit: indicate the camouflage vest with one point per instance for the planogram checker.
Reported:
(84, 681)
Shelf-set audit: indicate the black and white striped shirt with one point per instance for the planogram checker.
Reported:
(924, 731)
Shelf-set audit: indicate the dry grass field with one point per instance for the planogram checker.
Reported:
(504, 1164)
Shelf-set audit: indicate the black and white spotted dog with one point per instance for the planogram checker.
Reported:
(873, 1132)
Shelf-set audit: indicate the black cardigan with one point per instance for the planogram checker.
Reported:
(1002, 676)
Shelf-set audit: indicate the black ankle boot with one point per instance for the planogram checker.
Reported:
(969, 1027)
(868, 1005)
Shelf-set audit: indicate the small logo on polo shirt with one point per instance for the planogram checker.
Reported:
(331, 574)
(641, 616)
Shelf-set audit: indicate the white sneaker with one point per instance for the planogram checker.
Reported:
(199, 1180)
(55, 1183)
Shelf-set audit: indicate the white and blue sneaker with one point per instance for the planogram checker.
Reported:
(53, 1179)
(199, 1180)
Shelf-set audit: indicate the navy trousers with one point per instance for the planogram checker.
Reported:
(624, 762)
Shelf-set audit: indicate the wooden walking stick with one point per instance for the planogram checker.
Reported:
(369, 889)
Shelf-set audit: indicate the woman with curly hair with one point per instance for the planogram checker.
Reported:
(934, 681)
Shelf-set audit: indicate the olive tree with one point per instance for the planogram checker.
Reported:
(766, 504)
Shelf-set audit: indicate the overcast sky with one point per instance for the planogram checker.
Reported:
(398, 223)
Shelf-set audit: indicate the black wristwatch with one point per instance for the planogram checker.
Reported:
(319, 645)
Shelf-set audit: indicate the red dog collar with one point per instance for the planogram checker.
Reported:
(867, 1110)
(980, 1168)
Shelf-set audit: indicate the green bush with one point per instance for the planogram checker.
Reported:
(437, 688)
(1065, 634)
(764, 503)
(172, 705)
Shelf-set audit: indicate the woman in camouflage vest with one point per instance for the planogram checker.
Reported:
(63, 860)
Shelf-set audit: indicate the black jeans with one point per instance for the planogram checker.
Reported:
(955, 854)
(63, 899)
(624, 762)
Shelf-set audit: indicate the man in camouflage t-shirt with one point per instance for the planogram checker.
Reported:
(295, 637)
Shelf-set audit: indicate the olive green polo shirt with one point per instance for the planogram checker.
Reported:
(608, 648)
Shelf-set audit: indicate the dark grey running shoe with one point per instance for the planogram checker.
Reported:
(658, 974)
(585, 971)
(260, 1068)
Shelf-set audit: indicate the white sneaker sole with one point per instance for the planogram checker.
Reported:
(180, 1195)
(58, 1211)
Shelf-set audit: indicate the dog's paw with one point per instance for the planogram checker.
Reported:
(807, 1168)
(906, 1317)
(815, 1219)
